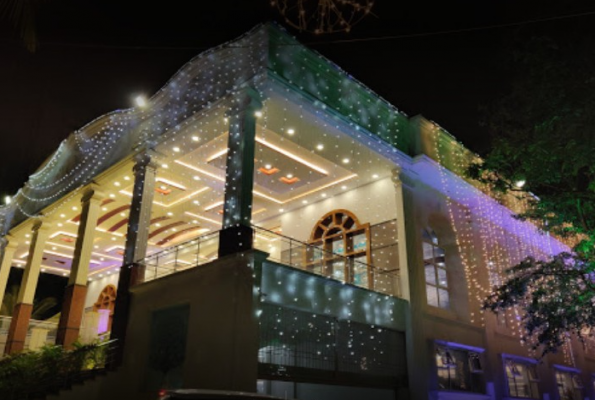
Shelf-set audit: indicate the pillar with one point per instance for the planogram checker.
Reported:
(22, 311)
(237, 233)
(73, 305)
(137, 236)
(401, 234)
(9, 245)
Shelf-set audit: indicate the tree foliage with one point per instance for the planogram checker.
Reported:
(543, 132)
(42, 308)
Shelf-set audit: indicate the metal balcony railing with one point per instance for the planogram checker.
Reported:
(382, 277)
(187, 255)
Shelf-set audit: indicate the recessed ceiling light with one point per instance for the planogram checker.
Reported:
(114, 239)
(320, 147)
(375, 176)
(170, 214)
(176, 149)
(225, 119)
(62, 216)
(60, 225)
(157, 224)
(103, 208)
(122, 215)
(163, 187)
(304, 201)
(196, 202)
(112, 195)
(74, 208)
(43, 270)
(195, 138)
(346, 161)
(343, 187)
(258, 114)
(96, 247)
(164, 166)
(289, 176)
(268, 166)
(196, 178)
(290, 131)
(323, 195)
(27, 235)
(126, 178)
(281, 210)
(117, 183)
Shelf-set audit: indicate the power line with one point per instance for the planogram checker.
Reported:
(337, 41)
(452, 31)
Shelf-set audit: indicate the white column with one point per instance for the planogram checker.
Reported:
(73, 304)
(41, 231)
(10, 246)
(91, 203)
(17, 333)
(402, 243)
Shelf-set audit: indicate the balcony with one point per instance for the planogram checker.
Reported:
(193, 253)
(382, 276)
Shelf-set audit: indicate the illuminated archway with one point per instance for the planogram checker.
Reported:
(107, 301)
(341, 249)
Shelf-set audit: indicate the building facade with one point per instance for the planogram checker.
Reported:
(267, 223)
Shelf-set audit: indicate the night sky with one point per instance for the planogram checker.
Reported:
(95, 56)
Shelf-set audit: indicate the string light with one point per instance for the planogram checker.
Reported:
(192, 108)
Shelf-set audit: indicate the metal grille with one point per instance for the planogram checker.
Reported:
(294, 343)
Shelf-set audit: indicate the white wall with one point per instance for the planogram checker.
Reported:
(97, 285)
(374, 203)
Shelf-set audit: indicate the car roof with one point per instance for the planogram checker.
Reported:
(217, 394)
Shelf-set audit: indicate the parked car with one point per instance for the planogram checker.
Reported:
(200, 394)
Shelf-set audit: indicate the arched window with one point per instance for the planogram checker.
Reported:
(107, 301)
(435, 271)
(344, 245)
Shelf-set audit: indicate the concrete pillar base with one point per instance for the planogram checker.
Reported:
(72, 314)
(17, 333)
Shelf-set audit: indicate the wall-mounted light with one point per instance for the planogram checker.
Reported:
(140, 101)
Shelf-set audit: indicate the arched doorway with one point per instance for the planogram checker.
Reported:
(342, 249)
(106, 301)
